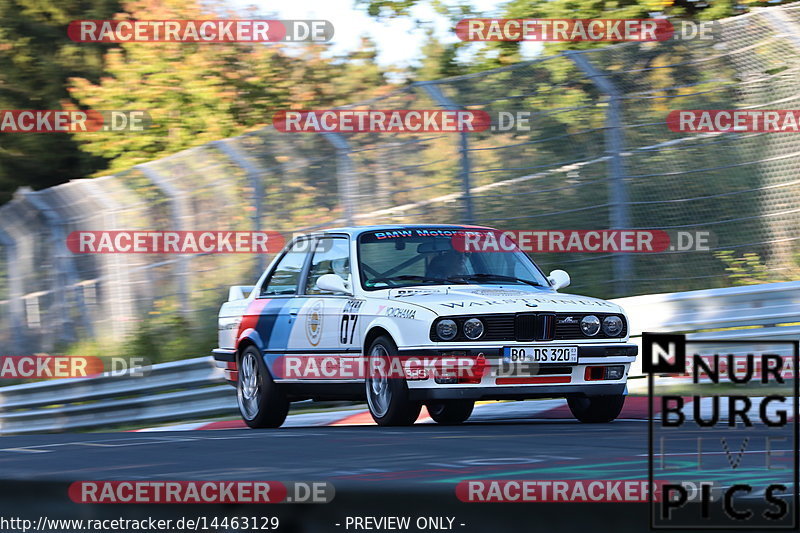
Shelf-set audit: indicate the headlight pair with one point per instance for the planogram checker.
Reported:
(612, 325)
(447, 329)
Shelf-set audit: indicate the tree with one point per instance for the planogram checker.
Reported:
(36, 59)
(201, 92)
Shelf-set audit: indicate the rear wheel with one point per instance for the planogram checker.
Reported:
(596, 409)
(450, 412)
(387, 394)
(261, 403)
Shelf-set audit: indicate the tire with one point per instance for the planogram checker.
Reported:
(596, 409)
(387, 397)
(261, 403)
(450, 412)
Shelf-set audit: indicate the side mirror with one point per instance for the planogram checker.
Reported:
(332, 283)
(558, 279)
(239, 292)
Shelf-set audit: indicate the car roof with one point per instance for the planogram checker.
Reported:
(354, 231)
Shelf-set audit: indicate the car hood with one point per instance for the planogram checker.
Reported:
(448, 300)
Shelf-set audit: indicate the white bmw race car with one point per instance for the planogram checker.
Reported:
(401, 316)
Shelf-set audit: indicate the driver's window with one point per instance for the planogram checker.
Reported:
(332, 256)
(286, 275)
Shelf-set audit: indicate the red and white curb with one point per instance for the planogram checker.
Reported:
(636, 408)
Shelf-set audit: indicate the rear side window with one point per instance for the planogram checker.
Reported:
(285, 277)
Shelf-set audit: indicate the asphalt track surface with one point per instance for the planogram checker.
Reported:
(364, 455)
(376, 471)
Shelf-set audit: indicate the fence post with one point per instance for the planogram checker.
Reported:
(468, 214)
(117, 267)
(345, 177)
(65, 277)
(254, 174)
(178, 210)
(16, 305)
(622, 263)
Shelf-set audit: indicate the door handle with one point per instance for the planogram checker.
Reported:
(294, 311)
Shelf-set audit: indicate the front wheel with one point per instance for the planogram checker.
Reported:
(261, 403)
(596, 409)
(387, 393)
(450, 412)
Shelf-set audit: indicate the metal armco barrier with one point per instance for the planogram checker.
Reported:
(194, 388)
(182, 390)
(755, 312)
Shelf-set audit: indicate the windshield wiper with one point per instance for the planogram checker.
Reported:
(494, 277)
(410, 277)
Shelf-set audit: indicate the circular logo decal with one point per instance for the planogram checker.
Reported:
(314, 323)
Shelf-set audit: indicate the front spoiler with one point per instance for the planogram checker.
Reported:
(524, 392)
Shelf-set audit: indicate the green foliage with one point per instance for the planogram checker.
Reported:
(747, 269)
(201, 92)
(36, 60)
(171, 337)
(160, 337)
(194, 92)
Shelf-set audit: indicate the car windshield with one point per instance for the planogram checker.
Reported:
(426, 256)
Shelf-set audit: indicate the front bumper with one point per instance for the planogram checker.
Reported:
(585, 351)
(500, 382)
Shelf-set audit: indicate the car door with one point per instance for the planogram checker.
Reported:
(278, 301)
(328, 319)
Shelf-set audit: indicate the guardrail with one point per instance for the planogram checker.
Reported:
(181, 390)
(752, 312)
(194, 388)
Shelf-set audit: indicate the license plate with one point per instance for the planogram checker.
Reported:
(540, 354)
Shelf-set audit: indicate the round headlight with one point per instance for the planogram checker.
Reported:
(612, 326)
(590, 325)
(473, 329)
(446, 329)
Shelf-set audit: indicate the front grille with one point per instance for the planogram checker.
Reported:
(569, 330)
(525, 327)
(528, 327)
(498, 327)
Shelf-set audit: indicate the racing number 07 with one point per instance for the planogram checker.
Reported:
(347, 320)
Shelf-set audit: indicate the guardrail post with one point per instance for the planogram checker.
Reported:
(16, 305)
(614, 147)
(178, 210)
(254, 175)
(468, 214)
(345, 176)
